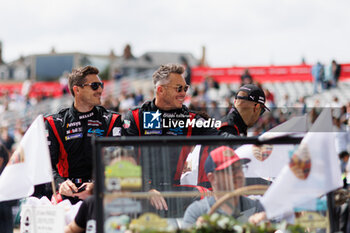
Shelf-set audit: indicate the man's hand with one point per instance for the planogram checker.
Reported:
(157, 201)
(67, 188)
(257, 218)
(87, 191)
(200, 221)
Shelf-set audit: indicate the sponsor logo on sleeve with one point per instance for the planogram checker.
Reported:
(59, 119)
(91, 225)
(126, 124)
(117, 131)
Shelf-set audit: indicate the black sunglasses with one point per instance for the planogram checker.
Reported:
(262, 108)
(94, 86)
(180, 88)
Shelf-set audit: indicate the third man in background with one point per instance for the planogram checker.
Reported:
(249, 105)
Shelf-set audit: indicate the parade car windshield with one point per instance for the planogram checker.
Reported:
(151, 183)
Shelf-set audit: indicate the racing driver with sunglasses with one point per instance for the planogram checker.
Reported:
(166, 115)
(69, 134)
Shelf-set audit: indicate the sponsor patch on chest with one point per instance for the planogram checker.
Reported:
(74, 124)
(74, 136)
(94, 123)
(97, 132)
(86, 115)
(153, 132)
(74, 130)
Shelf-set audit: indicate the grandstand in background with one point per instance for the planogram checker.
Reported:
(126, 74)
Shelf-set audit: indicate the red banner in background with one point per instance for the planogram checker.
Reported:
(48, 89)
(226, 75)
(38, 89)
(260, 73)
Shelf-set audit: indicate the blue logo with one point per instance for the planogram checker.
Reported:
(97, 132)
(152, 120)
(153, 132)
(74, 136)
(177, 131)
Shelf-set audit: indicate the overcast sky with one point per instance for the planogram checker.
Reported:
(235, 32)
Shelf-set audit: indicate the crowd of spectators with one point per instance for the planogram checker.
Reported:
(13, 105)
(214, 98)
(211, 97)
(325, 76)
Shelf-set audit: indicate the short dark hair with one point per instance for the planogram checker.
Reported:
(78, 76)
(343, 154)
